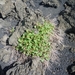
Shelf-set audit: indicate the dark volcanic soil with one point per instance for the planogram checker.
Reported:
(18, 15)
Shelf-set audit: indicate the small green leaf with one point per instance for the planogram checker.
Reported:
(38, 44)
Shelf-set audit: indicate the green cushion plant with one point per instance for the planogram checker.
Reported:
(37, 43)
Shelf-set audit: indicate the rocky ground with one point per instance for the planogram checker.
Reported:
(18, 15)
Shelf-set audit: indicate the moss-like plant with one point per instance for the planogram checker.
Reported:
(36, 43)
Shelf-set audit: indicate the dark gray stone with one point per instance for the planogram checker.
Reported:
(6, 8)
(18, 32)
(33, 67)
(71, 69)
(71, 3)
(67, 18)
(4, 39)
(27, 19)
(63, 24)
(51, 3)
(72, 50)
(4, 23)
(28, 23)
(32, 3)
(20, 8)
(1, 72)
(7, 56)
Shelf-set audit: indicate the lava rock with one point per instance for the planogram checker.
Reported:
(6, 8)
(4, 39)
(7, 56)
(33, 67)
(4, 23)
(18, 32)
(2, 2)
(67, 18)
(20, 8)
(32, 3)
(72, 50)
(32, 17)
(1, 72)
(63, 23)
(71, 37)
(71, 69)
(71, 3)
(50, 3)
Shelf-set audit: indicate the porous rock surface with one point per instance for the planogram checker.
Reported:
(6, 7)
(33, 67)
(67, 24)
(50, 3)
(16, 13)
(12, 62)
